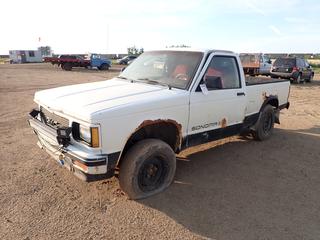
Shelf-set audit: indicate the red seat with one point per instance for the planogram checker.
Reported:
(211, 72)
(180, 69)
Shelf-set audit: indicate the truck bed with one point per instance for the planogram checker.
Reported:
(64, 60)
(262, 80)
(258, 88)
(250, 61)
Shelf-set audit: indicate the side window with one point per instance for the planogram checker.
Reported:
(222, 73)
(266, 59)
(31, 53)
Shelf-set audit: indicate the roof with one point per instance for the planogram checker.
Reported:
(192, 50)
(24, 50)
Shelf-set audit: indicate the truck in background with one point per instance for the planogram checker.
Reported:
(255, 64)
(67, 62)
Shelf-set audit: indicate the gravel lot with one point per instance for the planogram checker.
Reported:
(231, 189)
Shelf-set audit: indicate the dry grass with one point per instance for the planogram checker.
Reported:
(4, 60)
(315, 63)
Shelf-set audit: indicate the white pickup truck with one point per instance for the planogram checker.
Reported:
(164, 102)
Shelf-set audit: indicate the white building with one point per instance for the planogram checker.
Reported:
(29, 56)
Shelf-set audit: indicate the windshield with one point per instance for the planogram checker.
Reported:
(291, 62)
(172, 68)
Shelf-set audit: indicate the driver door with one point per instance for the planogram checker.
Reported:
(217, 101)
(95, 60)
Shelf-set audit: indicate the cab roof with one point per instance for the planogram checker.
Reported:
(205, 51)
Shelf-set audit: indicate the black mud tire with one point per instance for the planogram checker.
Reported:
(66, 66)
(104, 67)
(265, 125)
(310, 79)
(148, 168)
(298, 79)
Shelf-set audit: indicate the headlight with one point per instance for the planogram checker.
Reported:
(90, 135)
(85, 134)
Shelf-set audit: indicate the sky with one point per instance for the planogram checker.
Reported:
(103, 26)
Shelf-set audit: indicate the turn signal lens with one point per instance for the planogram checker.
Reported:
(81, 165)
(95, 137)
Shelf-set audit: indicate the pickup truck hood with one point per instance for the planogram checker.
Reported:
(91, 101)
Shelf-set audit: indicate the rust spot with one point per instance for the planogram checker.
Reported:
(223, 123)
(166, 121)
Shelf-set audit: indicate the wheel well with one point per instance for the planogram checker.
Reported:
(271, 100)
(168, 131)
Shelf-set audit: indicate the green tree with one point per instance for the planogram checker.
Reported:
(135, 51)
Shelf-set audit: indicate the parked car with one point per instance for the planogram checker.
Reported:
(255, 63)
(293, 68)
(129, 62)
(174, 99)
(126, 59)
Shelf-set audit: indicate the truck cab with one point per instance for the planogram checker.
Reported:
(96, 60)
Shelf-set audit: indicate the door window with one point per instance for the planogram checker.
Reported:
(222, 73)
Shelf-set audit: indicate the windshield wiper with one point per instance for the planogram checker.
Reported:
(154, 82)
(122, 78)
(125, 78)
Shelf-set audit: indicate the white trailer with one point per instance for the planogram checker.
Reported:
(25, 56)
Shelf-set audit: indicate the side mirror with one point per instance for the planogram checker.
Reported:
(213, 82)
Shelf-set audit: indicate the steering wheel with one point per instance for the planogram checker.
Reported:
(182, 76)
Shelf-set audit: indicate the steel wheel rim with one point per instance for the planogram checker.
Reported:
(152, 174)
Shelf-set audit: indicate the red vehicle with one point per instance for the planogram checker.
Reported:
(67, 62)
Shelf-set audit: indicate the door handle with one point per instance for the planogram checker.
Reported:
(241, 94)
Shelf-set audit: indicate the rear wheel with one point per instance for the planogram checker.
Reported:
(298, 78)
(310, 78)
(264, 126)
(104, 67)
(66, 66)
(147, 168)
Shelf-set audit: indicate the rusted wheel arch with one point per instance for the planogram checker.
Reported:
(166, 130)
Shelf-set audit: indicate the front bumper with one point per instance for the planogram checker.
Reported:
(88, 167)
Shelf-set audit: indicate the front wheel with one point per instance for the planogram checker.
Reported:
(264, 126)
(147, 168)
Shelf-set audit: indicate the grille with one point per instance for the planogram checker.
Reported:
(54, 119)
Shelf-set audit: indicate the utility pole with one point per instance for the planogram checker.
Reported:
(107, 37)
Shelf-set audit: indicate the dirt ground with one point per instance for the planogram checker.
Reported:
(231, 189)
